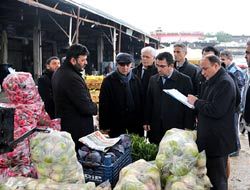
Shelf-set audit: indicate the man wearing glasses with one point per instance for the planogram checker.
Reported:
(73, 103)
(120, 100)
(164, 112)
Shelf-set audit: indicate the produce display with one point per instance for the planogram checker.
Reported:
(141, 149)
(53, 155)
(175, 164)
(20, 88)
(140, 175)
(93, 81)
(25, 183)
(180, 163)
(29, 113)
(91, 157)
(94, 85)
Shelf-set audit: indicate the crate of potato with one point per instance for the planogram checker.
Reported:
(94, 82)
(95, 95)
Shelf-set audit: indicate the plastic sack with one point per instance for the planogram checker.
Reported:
(44, 121)
(43, 184)
(140, 175)
(177, 153)
(19, 156)
(18, 170)
(20, 88)
(195, 179)
(54, 157)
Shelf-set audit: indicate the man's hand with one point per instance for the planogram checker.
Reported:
(191, 99)
(106, 132)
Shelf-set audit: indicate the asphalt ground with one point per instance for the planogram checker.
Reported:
(240, 167)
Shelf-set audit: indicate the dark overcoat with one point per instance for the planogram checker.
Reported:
(216, 133)
(247, 107)
(164, 112)
(113, 111)
(73, 103)
(150, 71)
(190, 70)
(45, 91)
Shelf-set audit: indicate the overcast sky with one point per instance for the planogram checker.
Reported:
(211, 16)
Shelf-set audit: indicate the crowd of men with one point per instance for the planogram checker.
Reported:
(132, 99)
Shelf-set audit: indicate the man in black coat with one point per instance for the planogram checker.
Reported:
(146, 68)
(182, 64)
(45, 86)
(73, 103)
(247, 104)
(216, 133)
(120, 100)
(164, 112)
(208, 50)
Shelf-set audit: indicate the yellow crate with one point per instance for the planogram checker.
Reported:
(94, 82)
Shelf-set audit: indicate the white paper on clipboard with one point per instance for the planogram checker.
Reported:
(179, 96)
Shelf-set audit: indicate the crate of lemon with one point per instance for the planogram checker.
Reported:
(94, 84)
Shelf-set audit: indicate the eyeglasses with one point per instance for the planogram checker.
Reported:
(161, 66)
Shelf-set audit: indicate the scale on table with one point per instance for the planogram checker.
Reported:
(7, 142)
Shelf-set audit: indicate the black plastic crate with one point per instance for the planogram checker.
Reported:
(99, 174)
(6, 128)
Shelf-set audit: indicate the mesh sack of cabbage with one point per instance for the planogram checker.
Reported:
(140, 175)
(195, 179)
(54, 157)
(178, 157)
(42, 184)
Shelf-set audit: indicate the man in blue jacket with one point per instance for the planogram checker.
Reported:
(226, 58)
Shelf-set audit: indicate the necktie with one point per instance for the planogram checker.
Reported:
(142, 73)
(164, 79)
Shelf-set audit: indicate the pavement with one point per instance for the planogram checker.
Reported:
(240, 167)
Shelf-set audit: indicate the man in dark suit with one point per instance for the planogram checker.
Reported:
(208, 50)
(146, 68)
(73, 103)
(182, 64)
(216, 133)
(162, 111)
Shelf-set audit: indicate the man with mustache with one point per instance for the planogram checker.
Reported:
(73, 103)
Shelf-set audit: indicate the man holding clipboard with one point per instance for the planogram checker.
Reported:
(216, 133)
(163, 112)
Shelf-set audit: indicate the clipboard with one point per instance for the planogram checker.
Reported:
(179, 96)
